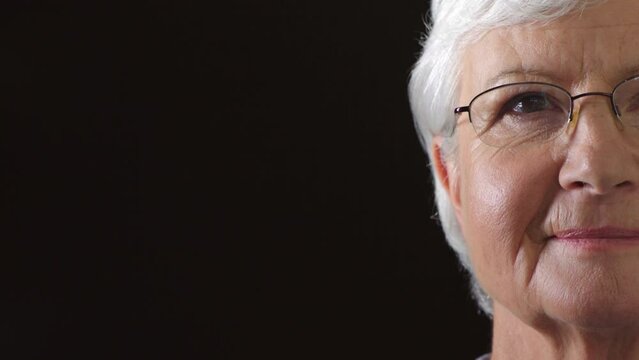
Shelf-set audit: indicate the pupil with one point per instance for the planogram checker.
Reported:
(531, 103)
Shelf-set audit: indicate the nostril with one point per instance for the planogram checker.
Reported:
(576, 185)
(623, 184)
(600, 188)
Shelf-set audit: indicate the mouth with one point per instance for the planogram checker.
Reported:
(603, 238)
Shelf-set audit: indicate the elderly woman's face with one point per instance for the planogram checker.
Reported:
(553, 227)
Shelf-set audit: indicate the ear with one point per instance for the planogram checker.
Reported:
(447, 174)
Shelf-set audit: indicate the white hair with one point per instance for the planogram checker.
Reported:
(434, 83)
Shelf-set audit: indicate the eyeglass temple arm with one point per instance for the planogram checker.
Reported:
(461, 109)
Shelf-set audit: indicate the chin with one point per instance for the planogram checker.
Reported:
(598, 290)
(597, 316)
(606, 301)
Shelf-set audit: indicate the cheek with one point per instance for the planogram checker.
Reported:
(503, 201)
(494, 213)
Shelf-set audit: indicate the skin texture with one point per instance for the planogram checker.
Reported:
(554, 299)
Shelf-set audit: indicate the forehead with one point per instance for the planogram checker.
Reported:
(599, 43)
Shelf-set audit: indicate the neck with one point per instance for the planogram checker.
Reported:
(547, 339)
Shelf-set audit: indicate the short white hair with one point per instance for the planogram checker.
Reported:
(434, 84)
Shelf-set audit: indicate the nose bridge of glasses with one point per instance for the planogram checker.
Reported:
(576, 110)
(594, 93)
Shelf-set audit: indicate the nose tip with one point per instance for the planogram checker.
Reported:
(593, 178)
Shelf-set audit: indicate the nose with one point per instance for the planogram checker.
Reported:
(600, 157)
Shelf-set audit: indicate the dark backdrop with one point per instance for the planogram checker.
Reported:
(185, 179)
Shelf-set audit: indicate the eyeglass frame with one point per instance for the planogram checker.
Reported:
(462, 109)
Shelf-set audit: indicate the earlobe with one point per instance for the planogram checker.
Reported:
(446, 174)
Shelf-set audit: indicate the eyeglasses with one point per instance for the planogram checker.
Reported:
(529, 112)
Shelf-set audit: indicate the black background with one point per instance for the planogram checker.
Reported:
(185, 179)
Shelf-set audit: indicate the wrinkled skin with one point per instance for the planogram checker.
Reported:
(554, 299)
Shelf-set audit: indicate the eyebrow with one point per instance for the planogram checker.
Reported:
(626, 72)
(494, 81)
(630, 71)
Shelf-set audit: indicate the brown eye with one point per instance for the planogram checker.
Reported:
(528, 103)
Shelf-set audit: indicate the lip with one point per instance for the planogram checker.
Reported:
(598, 238)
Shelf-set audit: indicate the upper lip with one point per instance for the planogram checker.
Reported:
(608, 232)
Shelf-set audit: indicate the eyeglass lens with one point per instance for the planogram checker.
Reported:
(537, 112)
